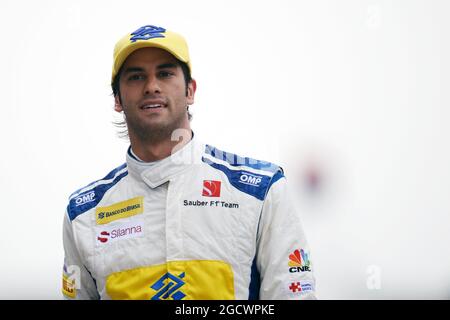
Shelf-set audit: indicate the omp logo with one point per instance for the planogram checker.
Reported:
(250, 179)
(85, 198)
(302, 286)
(168, 286)
(211, 188)
(299, 261)
(127, 230)
(119, 210)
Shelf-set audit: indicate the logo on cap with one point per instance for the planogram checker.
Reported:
(147, 32)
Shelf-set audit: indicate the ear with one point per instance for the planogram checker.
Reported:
(192, 87)
(117, 104)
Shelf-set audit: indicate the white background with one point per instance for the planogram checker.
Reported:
(355, 91)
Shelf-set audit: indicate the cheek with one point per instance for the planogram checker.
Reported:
(179, 91)
(130, 95)
(179, 99)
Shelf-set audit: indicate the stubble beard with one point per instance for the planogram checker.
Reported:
(151, 134)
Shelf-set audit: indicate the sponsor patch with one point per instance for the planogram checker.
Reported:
(112, 233)
(250, 179)
(68, 287)
(85, 198)
(299, 261)
(119, 210)
(300, 287)
(174, 280)
(211, 188)
(169, 287)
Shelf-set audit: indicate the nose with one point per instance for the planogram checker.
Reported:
(152, 86)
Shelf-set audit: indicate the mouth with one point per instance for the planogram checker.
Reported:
(153, 105)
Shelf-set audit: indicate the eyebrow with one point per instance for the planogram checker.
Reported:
(161, 66)
(132, 69)
(167, 66)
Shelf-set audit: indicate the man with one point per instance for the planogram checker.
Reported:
(180, 219)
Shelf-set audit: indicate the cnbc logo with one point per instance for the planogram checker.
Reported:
(299, 261)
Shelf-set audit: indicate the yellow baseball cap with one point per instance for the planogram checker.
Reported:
(150, 36)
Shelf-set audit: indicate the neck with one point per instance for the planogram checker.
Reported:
(158, 150)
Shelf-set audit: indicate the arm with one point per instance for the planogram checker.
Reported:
(77, 282)
(282, 250)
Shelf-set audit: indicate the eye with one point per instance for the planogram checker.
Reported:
(136, 77)
(165, 74)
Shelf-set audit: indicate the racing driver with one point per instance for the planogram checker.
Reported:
(180, 219)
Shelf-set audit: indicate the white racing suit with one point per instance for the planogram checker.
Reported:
(200, 224)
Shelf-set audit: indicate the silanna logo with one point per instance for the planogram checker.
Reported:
(104, 236)
(211, 188)
(299, 261)
(119, 232)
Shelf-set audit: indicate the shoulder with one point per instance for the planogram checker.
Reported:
(89, 196)
(251, 176)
